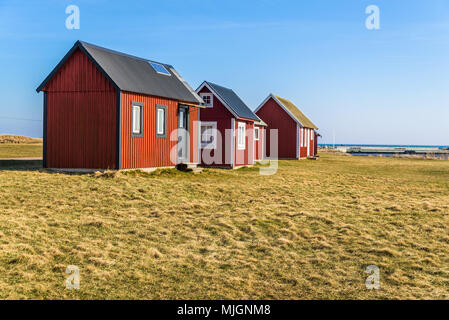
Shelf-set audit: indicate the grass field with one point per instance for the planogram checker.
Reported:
(19, 147)
(308, 232)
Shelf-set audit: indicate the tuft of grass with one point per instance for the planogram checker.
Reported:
(307, 232)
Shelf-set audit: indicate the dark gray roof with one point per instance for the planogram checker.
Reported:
(233, 101)
(130, 73)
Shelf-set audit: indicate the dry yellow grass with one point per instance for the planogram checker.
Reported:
(12, 146)
(8, 138)
(307, 232)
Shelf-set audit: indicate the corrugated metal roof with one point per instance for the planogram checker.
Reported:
(300, 117)
(233, 101)
(130, 73)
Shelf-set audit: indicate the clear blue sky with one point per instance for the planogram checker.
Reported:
(387, 86)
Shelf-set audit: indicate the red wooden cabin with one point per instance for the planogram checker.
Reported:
(227, 128)
(297, 136)
(108, 110)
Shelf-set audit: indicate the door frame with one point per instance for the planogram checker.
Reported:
(185, 108)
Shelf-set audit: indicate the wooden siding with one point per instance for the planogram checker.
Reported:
(246, 156)
(81, 117)
(259, 144)
(306, 137)
(150, 151)
(277, 118)
(221, 115)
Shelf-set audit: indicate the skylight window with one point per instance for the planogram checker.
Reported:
(159, 68)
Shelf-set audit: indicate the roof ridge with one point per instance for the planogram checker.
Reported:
(303, 119)
(227, 102)
(141, 76)
(231, 105)
(84, 43)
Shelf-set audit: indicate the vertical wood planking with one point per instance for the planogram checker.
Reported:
(81, 117)
(277, 118)
(151, 151)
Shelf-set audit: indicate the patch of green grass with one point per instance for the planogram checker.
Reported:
(307, 232)
(16, 150)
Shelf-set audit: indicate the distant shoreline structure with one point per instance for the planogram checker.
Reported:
(440, 152)
(324, 145)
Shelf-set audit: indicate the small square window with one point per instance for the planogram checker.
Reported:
(208, 99)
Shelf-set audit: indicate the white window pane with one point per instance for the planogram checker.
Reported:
(241, 136)
(136, 114)
(181, 119)
(207, 134)
(160, 121)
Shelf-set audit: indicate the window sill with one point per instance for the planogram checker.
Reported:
(137, 135)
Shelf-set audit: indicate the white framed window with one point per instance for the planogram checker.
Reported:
(208, 135)
(208, 99)
(302, 137)
(256, 133)
(241, 136)
(161, 121)
(137, 119)
(313, 135)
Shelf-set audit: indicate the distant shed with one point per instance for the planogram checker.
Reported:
(297, 134)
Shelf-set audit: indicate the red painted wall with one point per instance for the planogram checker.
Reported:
(303, 138)
(246, 156)
(304, 152)
(259, 144)
(277, 118)
(81, 117)
(221, 115)
(150, 151)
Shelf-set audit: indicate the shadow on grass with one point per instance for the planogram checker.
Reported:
(21, 165)
(32, 165)
(36, 165)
